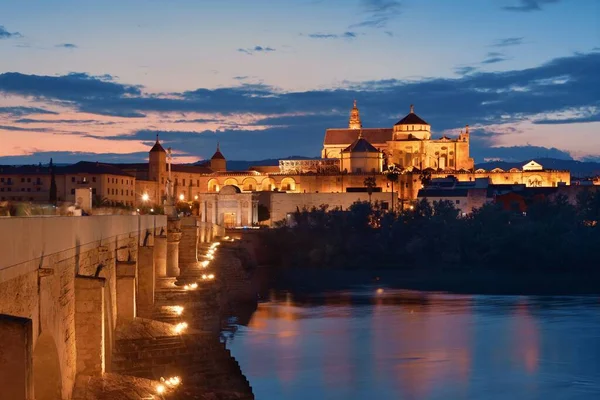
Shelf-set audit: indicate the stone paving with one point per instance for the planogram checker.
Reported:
(148, 350)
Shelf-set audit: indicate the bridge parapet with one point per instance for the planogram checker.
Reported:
(60, 273)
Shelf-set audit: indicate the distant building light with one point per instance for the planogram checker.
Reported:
(181, 197)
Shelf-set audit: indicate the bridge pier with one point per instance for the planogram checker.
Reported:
(146, 282)
(89, 325)
(188, 254)
(173, 238)
(160, 256)
(126, 272)
(16, 358)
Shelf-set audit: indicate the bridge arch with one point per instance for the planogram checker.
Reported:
(47, 376)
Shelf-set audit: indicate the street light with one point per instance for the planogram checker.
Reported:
(181, 197)
(392, 176)
(145, 197)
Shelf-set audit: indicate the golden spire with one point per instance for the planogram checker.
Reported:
(354, 118)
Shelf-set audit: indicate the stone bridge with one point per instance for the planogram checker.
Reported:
(65, 282)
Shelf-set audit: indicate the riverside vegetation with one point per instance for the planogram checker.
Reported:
(553, 236)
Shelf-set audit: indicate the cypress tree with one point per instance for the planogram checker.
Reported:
(52, 198)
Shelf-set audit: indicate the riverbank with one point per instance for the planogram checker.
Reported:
(311, 280)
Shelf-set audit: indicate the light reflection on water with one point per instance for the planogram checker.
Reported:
(414, 345)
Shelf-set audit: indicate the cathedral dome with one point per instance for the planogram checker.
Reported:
(412, 127)
(412, 118)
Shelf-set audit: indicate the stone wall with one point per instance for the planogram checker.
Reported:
(280, 204)
(41, 257)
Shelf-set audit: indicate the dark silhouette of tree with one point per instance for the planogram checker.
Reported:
(370, 183)
(263, 213)
(53, 191)
(425, 178)
(393, 176)
(553, 235)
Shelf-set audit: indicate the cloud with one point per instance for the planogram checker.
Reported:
(345, 35)
(256, 49)
(67, 46)
(19, 129)
(511, 41)
(529, 5)
(4, 34)
(282, 120)
(464, 70)
(378, 13)
(60, 121)
(21, 111)
(494, 57)
(73, 86)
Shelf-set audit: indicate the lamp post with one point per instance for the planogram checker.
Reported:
(392, 176)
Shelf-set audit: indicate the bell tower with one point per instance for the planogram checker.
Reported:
(157, 165)
(354, 122)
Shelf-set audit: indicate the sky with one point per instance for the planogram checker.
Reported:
(98, 80)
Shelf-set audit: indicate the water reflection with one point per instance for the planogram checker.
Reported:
(396, 344)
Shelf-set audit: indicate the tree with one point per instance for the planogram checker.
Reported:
(370, 183)
(425, 178)
(263, 213)
(392, 176)
(53, 190)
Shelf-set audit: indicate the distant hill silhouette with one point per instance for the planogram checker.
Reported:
(577, 168)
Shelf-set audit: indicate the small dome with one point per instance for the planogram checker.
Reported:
(361, 145)
(230, 189)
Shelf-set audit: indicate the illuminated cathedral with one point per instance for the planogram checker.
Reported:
(407, 144)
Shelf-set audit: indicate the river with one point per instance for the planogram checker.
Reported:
(377, 343)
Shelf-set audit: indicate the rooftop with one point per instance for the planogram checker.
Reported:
(412, 119)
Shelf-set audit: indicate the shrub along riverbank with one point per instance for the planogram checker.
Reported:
(554, 237)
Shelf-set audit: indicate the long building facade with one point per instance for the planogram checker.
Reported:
(348, 156)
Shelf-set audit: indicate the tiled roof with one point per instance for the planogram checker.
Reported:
(412, 119)
(377, 136)
(86, 167)
(192, 169)
(218, 156)
(24, 169)
(361, 145)
(157, 147)
(443, 193)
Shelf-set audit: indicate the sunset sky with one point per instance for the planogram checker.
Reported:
(98, 80)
